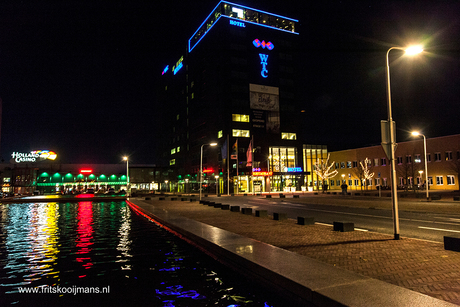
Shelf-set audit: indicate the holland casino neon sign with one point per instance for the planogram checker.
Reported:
(33, 156)
(263, 57)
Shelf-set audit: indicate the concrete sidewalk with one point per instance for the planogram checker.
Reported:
(374, 261)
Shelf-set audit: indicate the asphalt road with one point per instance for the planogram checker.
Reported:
(371, 214)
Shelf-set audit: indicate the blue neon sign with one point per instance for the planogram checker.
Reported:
(263, 57)
(294, 169)
(237, 23)
(165, 70)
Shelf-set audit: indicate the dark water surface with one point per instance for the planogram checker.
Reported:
(71, 251)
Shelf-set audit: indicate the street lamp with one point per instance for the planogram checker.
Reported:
(125, 158)
(416, 133)
(201, 165)
(394, 189)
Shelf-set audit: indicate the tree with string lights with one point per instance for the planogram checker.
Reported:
(366, 172)
(323, 170)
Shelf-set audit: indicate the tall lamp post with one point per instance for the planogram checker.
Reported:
(125, 158)
(201, 165)
(394, 189)
(416, 133)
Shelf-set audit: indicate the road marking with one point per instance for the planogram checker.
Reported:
(430, 228)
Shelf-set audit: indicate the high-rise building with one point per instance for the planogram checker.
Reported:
(235, 84)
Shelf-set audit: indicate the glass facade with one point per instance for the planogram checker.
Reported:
(243, 13)
(311, 153)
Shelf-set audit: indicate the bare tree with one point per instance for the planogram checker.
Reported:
(367, 175)
(323, 170)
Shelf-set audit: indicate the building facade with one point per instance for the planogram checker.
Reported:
(443, 165)
(235, 85)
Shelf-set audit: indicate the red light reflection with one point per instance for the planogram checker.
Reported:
(85, 233)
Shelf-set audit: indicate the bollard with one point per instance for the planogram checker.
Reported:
(225, 207)
(344, 226)
(261, 213)
(279, 216)
(247, 211)
(452, 243)
(235, 208)
(301, 220)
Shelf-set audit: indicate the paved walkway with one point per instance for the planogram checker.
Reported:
(418, 265)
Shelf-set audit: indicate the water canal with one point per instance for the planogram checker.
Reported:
(103, 253)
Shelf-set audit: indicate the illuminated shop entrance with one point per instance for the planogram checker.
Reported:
(282, 162)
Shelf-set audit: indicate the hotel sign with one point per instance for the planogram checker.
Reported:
(33, 156)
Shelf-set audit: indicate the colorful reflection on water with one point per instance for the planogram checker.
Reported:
(72, 254)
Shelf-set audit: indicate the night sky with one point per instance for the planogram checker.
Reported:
(79, 77)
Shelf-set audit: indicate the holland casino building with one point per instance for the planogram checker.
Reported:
(40, 172)
(236, 85)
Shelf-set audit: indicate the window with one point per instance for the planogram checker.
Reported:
(173, 151)
(288, 136)
(450, 180)
(430, 180)
(342, 164)
(338, 182)
(377, 181)
(448, 155)
(331, 182)
(408, 159)
(240, 118)
(240, 133)
(399, 160)
(437, 156)
(376, 162)
(355, 163)
(439, 180)
(417, 159)
(349, 164)
(350, 182)
(428, 157)
(220, 134)
(357, 182)
(172, 162)
(336, 165)
(383, 161)
(178, 149)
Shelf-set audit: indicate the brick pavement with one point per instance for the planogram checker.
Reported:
(417, 265)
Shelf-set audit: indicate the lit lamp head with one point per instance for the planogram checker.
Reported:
(213, 144)
(413, 50)
(415, 133)
(125, 158)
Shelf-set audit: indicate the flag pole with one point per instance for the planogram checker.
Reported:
(252, 164)
(228, 166)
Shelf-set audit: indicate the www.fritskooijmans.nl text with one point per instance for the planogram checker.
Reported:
(64, 290)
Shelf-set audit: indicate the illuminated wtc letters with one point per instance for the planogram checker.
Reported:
(263, 61)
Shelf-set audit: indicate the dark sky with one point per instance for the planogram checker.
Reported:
(78, 77)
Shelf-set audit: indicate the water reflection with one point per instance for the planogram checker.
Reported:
(85, 245)
(85, 234)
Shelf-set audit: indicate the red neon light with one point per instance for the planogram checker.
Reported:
(208, 170)
(86, 171)
(262, 173)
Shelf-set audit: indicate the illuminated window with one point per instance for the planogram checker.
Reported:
(448, 155)
(280, 159)
(240, 133)
(178, 149)
(450, 180)
(173, 151)
(288, 136)
(220, 134)
(240, 118)
(439, 180)
(172, 162)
